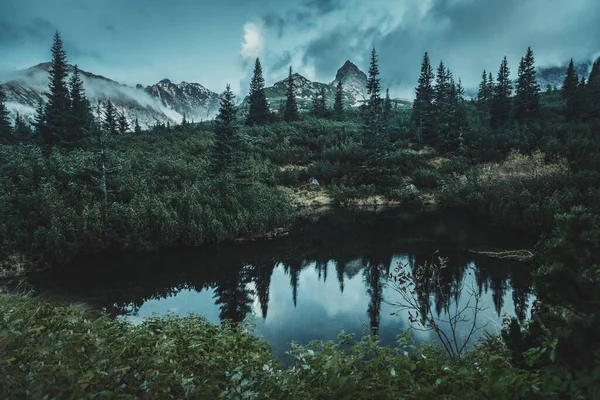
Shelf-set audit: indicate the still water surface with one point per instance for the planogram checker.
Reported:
(328, 275)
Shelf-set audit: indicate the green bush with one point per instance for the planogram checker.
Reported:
(52, 351)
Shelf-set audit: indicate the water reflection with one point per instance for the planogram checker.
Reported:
(287, 284)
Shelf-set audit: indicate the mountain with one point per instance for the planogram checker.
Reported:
(556, 75)
(354, 84)
(190, 99)
(164, 102)
(354, 81)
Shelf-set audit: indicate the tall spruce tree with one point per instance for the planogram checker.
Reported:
(501, 102)
(136, 127)
(422, 112)
(109, 122)
(22, 131)
(571, 81)
(373, 113)
(338, 105)
(387, 106)
(291, 112)
(58, 108)
(527, 103)
(6, 135)
(227, 147)
(571, 92)
(485, 94)
(258, 111)
(122, 124)
(80, 117)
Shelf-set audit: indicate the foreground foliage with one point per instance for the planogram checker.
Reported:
(53, 351)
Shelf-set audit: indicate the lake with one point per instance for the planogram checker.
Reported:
(330, 274)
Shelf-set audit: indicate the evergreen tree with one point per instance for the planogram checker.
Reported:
(122, 124)
(291, 112)
(281, 110)
(228, 147)
(387, 106)
(485, 93)
(422, 112)
(136, 127)
(501, 103)
(571, 82)
(5, 128)
(22, 132)
(258, 112)
(338, 105)
(58, 108)
(80, 117)
(39, 122)
(373, 111)
(591, 93)
(527, 103)
(571, 92)
(319, 105)
(110, 119)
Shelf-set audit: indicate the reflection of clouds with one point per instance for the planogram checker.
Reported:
(322, 310)
(182, 303)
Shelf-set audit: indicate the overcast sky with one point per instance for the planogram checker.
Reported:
(215, 42)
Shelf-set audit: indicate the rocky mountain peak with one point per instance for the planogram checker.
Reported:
(353, 80)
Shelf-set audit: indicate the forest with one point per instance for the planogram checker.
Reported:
(517, 155)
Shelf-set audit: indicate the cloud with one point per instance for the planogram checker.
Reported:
(253, 45)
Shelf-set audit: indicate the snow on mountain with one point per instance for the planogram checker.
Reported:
(161, 102)
(354, 84)
(190, 99)
(354, 81)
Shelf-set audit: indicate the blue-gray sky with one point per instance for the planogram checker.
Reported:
(215, 42)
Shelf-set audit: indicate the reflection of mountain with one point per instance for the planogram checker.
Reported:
(358, 249)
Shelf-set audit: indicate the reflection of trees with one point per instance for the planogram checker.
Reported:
(233, 295)
(123, 284)
(374, 279)
(262, 279)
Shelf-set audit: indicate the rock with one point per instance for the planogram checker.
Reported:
(412, 189)
(313, 181)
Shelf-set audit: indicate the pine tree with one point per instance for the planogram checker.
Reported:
(22, 132)
(387, 106)
(422, 112)
(338, 105)
(227, 149)
(501, 103)
(122, 124)
(110, 119)
(291, 112)
(136, 127)
(258, 112)
(80, 117)
(323, 111)
(6, 135)
(39, 122)
(485, 93)
(571, 81)
(592, 92)
(315, 111)
(373, 111)
(281, 110)
(58, 108)
(527, 103)
(571, 92)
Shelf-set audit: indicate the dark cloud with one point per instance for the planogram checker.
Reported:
(323, 6)
(283, 62)
(274, 22)
(31, 31)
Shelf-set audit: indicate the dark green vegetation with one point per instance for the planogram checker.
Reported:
(529, 161)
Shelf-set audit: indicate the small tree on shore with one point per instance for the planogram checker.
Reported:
(418, 290)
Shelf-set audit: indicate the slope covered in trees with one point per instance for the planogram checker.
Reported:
(514, 155)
